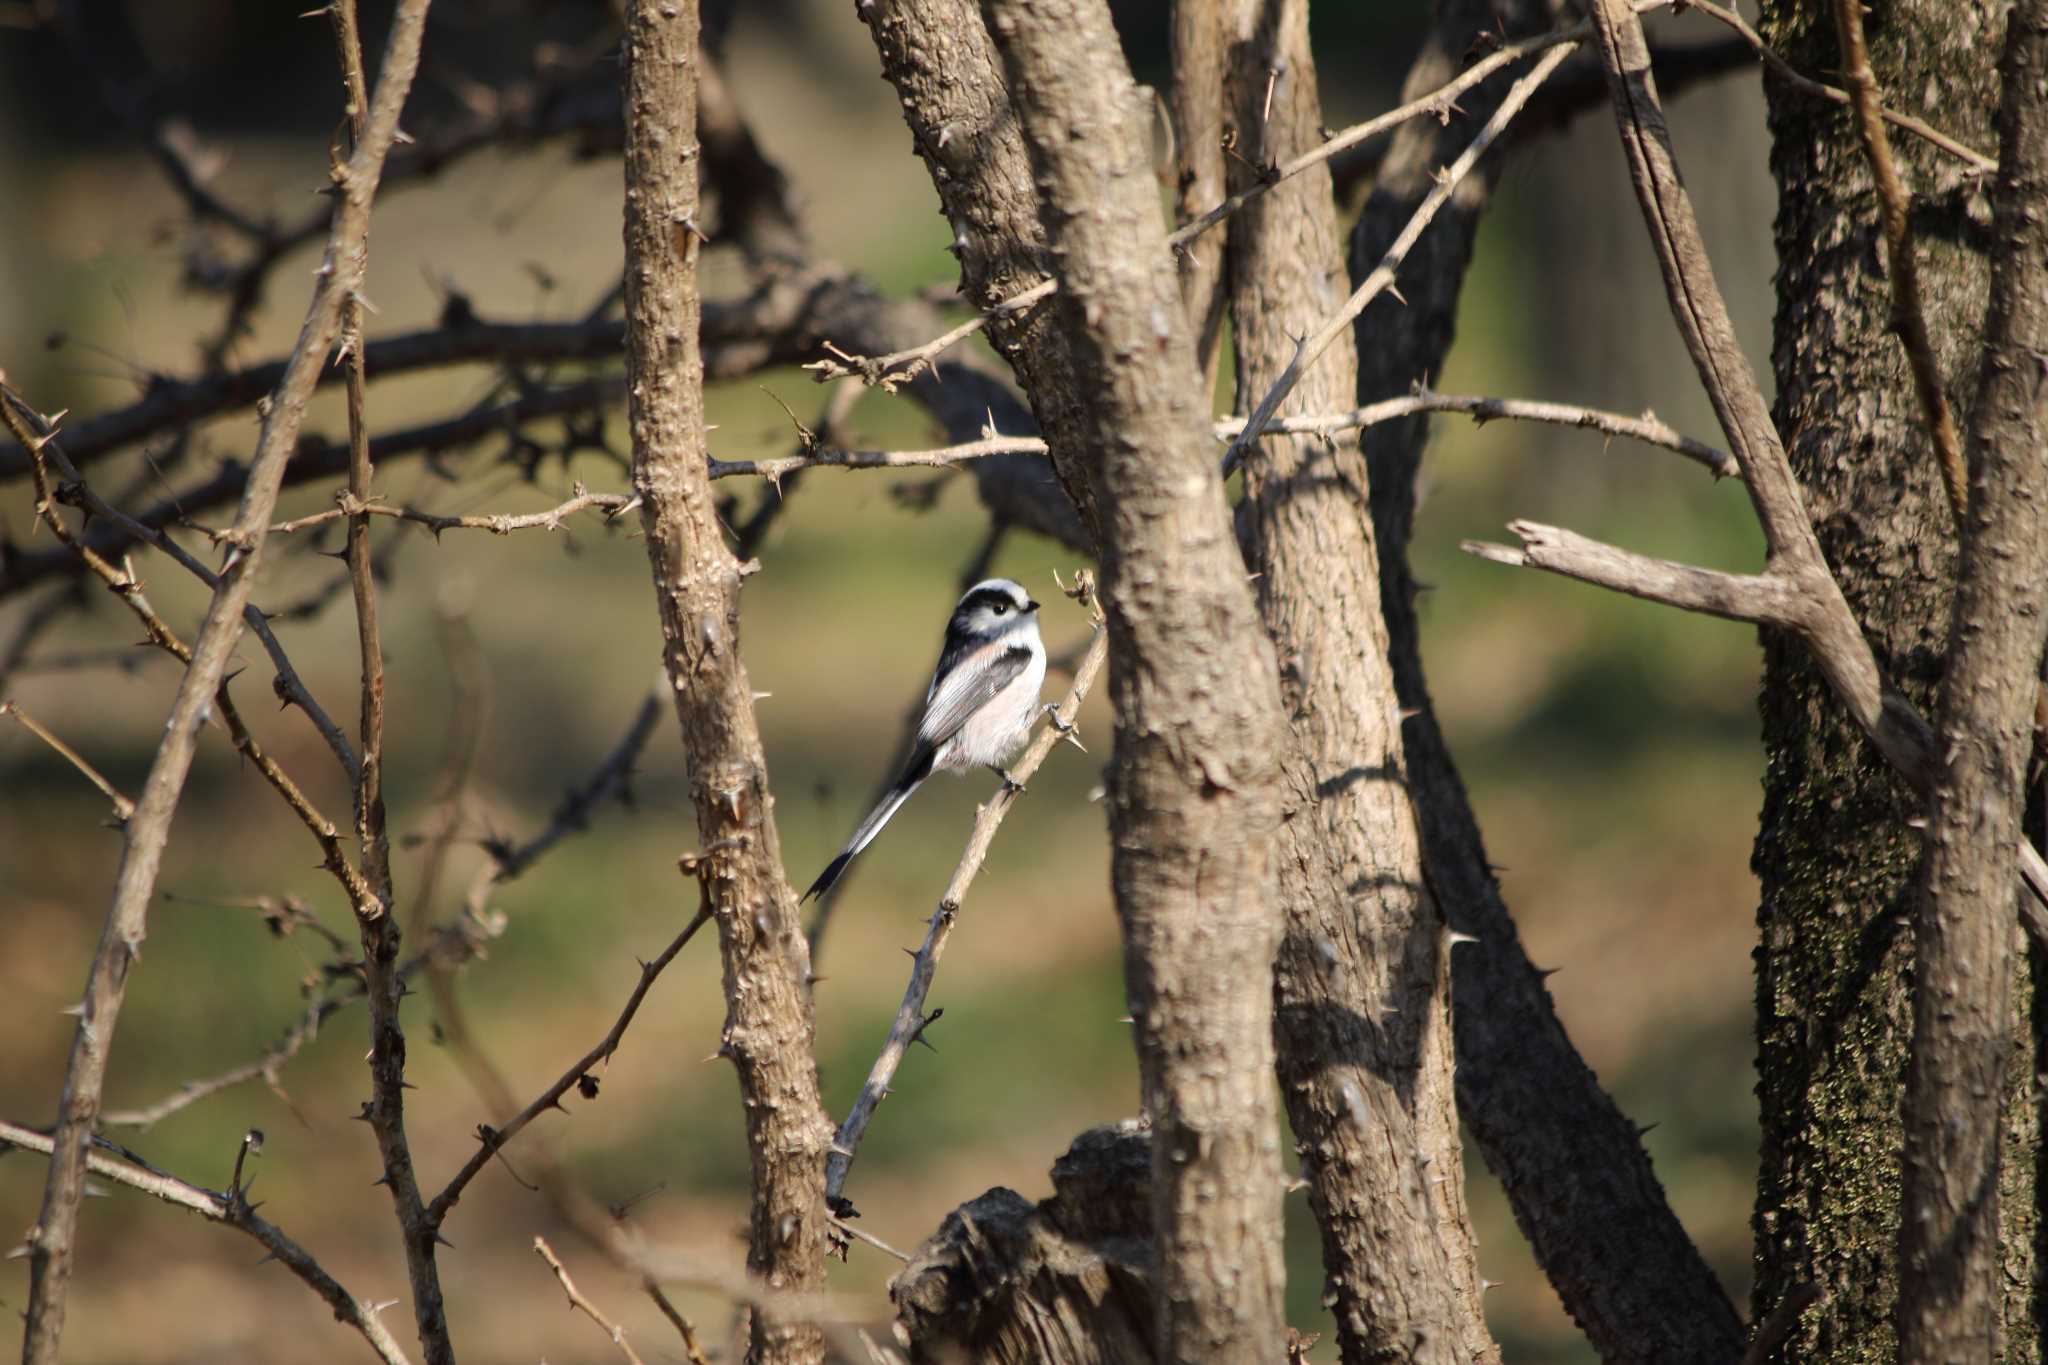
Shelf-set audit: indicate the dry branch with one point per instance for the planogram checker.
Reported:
(1311, 348)
(1792, 76)
(583, 1305)
(123, 807)
(898, 367)
(1766, 599)
(911, 1019)
(78, 548)
(493, 1140)
(769, 1031)
(1909, 320)
(234, 1210)
(1952, 1272)
(50, 1257)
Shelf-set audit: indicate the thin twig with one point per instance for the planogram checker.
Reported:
(123, 807)
(1311, 348)
(234, 1210)
(911, 1019)
(1908, 319)
(1646, 428)
(1978, 162)
(501, 523)
(890, 371)
(123, 583)
(22, 419)
(494, 1140)
(685, 1329)
(582, 1304)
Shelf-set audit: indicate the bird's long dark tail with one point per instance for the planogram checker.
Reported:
(863, 835)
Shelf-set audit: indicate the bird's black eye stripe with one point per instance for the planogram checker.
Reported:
(995, 600)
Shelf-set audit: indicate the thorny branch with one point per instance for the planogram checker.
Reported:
(147, 831)
(233, 1209)
(32, 427)
(1311, 348)
(911, 1020)
(493, 1140)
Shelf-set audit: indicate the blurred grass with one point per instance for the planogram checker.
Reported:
(1609, 746)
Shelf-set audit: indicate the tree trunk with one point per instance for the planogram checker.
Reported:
(1194, 784)
(768, 1023)
(1362, 983)
(1838, 863)
(1572, 1164)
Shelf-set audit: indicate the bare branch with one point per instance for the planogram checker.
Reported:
(578, 1302)
(1977, 161)
(235, 1211)
(1908, 318)
(123, 807)
(897, 367)
(1311, 348)
(498, 523)
(494, 1139)
(1646, 428)
(51, 1254)
(126, 531)
(910, 1018)
(1766, 599)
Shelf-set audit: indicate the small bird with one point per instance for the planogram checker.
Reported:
(979, 708)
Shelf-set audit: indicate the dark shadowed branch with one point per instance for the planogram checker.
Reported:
(233, 1209)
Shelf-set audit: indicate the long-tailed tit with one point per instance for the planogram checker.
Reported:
(979, 708)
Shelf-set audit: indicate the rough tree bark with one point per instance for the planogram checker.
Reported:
(1193, 788)
(1196, 104)
(1572, 1163)
(1838, 862)
(1967, 934)
(768, 1026)
(1362, 983)
(1066, 1281)
(937, 55)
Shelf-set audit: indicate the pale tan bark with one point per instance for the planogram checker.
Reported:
(1951, 1267)
(768, 1025)
(1362, 984)
(1193, 788)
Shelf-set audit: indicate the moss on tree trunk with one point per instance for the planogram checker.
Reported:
(1838, 863)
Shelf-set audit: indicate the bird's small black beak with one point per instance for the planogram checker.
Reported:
(1030, 605)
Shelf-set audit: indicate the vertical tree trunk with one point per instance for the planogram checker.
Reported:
(1194, 786)
(1837, 860)
(768, 1024)
(1572, 1163)
(1362, 983)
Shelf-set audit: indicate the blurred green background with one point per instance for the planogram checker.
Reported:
(1610, 745)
